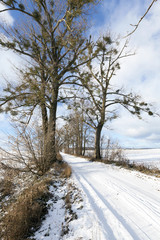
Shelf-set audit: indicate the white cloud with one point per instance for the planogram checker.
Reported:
(140, 72)
(129, 129)
(8, 61)
(5, 16)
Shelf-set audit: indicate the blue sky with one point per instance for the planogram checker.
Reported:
(139, 73)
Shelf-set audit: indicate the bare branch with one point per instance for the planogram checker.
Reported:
(137, 25)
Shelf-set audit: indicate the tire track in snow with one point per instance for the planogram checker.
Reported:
(100, 215)
(99, 204)
(140, 206)
(138, 198)
(138, 194)
(124, 209)
(142, 200)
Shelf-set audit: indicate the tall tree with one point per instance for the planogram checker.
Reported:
(50, 34)
(97, 77)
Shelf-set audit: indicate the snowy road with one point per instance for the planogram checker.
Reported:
(121, 204)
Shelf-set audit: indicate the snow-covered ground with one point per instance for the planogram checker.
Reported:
(52, 226)
(108, 203)
(148, 157)
(118, 203)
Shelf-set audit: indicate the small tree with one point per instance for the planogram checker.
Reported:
(113, 152)
(97, 78)
(24, 151)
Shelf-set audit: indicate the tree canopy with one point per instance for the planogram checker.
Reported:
(51, 35)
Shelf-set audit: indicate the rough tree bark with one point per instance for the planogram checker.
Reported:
(97, 154)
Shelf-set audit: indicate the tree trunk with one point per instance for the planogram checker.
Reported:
(81, 139)
(68, 147)
(97, 141)
(73, 151)
(84, 145)
(77, 144)
(43, 105)
(50, 144)
(44, 121)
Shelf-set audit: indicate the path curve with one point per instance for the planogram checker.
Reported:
(125, 204)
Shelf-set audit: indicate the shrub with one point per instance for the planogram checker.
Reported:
(25, 214)
(62, 167)
(7, 183)
(114, 152)
(6, 188)
(66, 170)
(59, 157)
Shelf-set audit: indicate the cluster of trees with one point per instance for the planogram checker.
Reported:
(75, 136)
(52, 37)
(98, 101)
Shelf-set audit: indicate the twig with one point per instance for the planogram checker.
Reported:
(137, 25)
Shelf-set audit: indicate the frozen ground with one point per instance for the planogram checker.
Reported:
(119, 204)
(148, 157)
(111, 204)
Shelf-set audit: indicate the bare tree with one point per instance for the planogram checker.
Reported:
(24, 150)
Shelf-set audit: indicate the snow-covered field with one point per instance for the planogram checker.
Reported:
(148, 157)
(119, 204)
